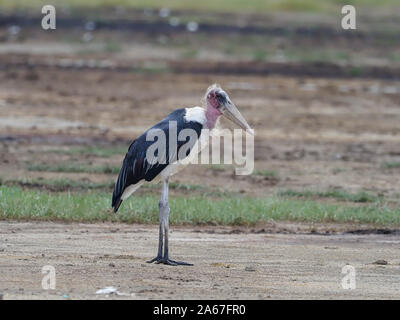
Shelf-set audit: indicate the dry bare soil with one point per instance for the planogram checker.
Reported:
(228, 263)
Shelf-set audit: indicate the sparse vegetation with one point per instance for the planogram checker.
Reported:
(17, 203)
(58, 184)
(97, 151)
(219, 167)
(391, 165)
(255, 6)
(266, 173)
(338, 170)
(73, 167)
(190, 53)
(66, 184)
(260, 55)
(112, 46)
(335, 194)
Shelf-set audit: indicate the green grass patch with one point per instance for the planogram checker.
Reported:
(331, 54)
(186, 187)
(65, 184)
(260, 55)
(391, 165)
(361, 196)
(112, 46)
(338, 170)
(151, 68)
(254, 6)
(73, 167)
(266, 173)
(58, 184)
(97, 151)
(17, 203)
(219, 167)
(190, 53)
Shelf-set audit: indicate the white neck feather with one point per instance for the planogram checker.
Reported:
(196, 114)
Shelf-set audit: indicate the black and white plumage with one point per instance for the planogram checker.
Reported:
(137, 168)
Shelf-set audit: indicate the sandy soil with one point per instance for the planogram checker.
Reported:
(228, 263)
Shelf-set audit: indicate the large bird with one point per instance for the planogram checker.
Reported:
(141, 165)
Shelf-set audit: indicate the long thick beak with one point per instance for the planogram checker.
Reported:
(232, 113)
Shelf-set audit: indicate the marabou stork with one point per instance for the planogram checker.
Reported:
(137, 167)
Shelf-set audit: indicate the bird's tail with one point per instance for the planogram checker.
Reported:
(119, 187)
(123, 186)
(116, 200)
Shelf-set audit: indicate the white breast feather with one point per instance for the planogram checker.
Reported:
(197, 114)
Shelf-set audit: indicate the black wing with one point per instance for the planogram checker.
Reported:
(137, 167)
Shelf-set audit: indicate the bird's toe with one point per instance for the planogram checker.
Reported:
(156, 260)
(168, 262)
(178, 263)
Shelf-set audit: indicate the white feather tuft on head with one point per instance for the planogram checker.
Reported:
(214, 86)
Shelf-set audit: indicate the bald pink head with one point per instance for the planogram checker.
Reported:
(217, 103)
(212, 105)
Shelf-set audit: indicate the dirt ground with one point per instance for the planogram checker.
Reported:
(228, 263)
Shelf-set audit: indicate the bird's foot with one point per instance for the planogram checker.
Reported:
(169, 262)
(156, 259)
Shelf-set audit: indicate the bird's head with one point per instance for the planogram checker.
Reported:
(218, 103)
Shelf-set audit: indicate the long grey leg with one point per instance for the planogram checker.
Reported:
(160, 245)
(164, 226)
(160, 238)
(165, 213)
(160, 241)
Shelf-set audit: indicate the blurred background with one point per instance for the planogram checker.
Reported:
(324, 101)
